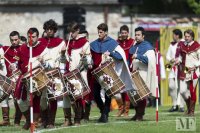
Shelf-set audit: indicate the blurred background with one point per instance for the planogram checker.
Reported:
(158, 17)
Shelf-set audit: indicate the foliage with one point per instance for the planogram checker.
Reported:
(194, 5)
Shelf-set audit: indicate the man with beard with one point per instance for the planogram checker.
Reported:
(142, 58)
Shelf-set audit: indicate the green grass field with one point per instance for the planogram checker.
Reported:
(166, 124)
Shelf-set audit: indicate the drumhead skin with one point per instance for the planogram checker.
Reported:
(108, 78)
(77, 86)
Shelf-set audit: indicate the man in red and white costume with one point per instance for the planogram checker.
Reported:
(56, 47)
(11, 57)
(125, 42)
(188, 58)
(22, 92)
(77, 48)
(173, 77)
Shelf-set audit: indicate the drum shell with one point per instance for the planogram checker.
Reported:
(7, 85)
(141, 92)
(54, 74)
(38, 76)
(76, 75)
(107, 68)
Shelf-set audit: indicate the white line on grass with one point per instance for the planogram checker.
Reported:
(96, 124)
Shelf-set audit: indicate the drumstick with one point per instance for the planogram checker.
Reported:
(7, 50)
(40, 63)
(6, 59)
(132, 57)
(68, 45)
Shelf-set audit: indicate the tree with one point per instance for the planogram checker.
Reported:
(195, 5)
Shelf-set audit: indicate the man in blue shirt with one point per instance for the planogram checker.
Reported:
(142, 58)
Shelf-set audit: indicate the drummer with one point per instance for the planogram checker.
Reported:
(78, 49)
(11, 57)
(140, 54)
(106, 46)
(22, 92)
(56, 47)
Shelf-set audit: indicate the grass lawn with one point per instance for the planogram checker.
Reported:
(166, 124)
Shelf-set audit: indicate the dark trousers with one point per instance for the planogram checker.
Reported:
(104, 107)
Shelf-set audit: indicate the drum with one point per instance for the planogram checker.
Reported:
(141, 92)
(76, 84)
(15, 75)
(40, 79)
(7, 86)
(108, 78)
(59, 89)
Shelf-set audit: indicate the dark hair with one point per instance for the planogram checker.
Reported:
(103, 27)
(33, 30)
(23, 38)
(84, 32)
(124, 27)
(140, 29)
(50, 24)
(73, 26)
(15, 33)
(190, 32)
(178, 32)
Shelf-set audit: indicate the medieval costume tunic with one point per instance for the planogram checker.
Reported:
(3, 72)
(11, 54)
(122, 99)
(78, 50)
(11, 58)
(145, 63)
(189, 56)
(55, 46)
(126, 45)
(22, 92)
(173, 77)
(99, 47)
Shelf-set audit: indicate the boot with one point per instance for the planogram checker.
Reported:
(103, 118)
(5, 114)
(44, 118)
(67, 113)
(51, 116)
(120, 107)
(18, 115)
(87, 112)
(141, 110)
(78, 112)
(36, 117)
(140, 114)
(27, 123)
(127, 106)
(192, 108)
(188, 106)
(134, 118)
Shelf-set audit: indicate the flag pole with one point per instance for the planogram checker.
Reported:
(31, 86)
(157, 65)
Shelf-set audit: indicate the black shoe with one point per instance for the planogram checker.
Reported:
(174, 108)
(181, 110)
(134, 118)
(103, 119)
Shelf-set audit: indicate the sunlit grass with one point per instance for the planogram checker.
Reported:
(166, 124)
